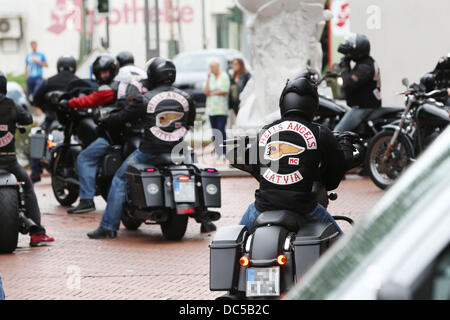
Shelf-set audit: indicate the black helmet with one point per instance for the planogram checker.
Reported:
(310, 74)
(3, 83)
(160, 71)
(67, 63)
(125, 58)
(103, 63)
(428, 80)
(443, 64)
(299, 96)
(355, 45)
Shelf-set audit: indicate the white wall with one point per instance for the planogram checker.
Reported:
(55, 25)
(408, 37)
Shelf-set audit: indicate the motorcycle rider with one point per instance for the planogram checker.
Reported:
(362, 82)
(127, 70)
(439, 78)
(111, 93)
(10, 116)
(66, 67)
(161, 134)
(293, 153)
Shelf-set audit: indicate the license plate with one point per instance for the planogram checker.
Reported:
(184, 191)
(263, 282)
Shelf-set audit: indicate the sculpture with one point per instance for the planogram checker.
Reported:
(284, 37)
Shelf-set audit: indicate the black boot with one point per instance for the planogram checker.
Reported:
(102, 233)
(207, 226)
(85, 206)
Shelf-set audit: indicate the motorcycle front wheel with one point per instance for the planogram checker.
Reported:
(9, 219)
(65, 193)
(383, 171)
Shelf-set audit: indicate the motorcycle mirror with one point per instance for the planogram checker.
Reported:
(405, 82)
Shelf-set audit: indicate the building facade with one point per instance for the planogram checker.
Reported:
(57, 26)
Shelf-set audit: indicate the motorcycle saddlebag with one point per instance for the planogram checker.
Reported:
(112, 161)
(311, 241)
(210, 179)
(38, 143)
(146, 187)
(225, 252)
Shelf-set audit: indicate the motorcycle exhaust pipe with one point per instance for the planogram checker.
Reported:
(26, 224)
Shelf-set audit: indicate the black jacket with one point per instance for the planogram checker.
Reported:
(362, 83)
(164, 114)
(235, 90)
(293, 153)
(10, 115)
(59, 81)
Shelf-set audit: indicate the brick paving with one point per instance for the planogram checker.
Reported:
(138, 264)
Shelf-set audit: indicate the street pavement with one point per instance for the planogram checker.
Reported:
(138, 264)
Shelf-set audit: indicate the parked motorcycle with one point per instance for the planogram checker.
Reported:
(169, 191)
(12, 214)
(399, 143)
(266, 263)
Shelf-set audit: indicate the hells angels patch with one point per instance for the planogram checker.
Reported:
(282, 179)
(167, 95)
(6, 139)
(279, 149)
(168, 136)
(291, 126)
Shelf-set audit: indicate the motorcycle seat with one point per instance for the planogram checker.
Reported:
(283, 218)
(381, 112)
(167, 158)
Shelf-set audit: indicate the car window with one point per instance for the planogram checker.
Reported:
(395, 208)
(14, 95)
(197, 62)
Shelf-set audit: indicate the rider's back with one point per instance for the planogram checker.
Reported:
(294, 153)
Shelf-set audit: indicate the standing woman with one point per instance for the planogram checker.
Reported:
(217, 88)
(238, 82)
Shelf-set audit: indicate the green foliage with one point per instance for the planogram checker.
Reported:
(20, 79)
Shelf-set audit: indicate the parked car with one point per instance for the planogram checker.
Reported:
(192, 69)
(401, 249)
(16, 93)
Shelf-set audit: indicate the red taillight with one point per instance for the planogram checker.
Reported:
(281, 260)
(244, 261)
(186, 211)
(183, 178)
(150, 170)
(50, 144)
(211, 170)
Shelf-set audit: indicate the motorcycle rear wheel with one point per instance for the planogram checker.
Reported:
(384, 172)
(9, 219)
(128, 221)
(66, 194)
(175, 228)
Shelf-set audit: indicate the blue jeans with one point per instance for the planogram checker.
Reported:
(117, 193)
(33, 84)
(319, 214)
(219, 123)
(2, 293)
(87, 164)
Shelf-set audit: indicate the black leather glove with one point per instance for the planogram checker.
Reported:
(345, 63)
(345, 140)
(64, 104)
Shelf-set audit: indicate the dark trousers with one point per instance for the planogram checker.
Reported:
(31, 204)
(219, 123)
(352, 119)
